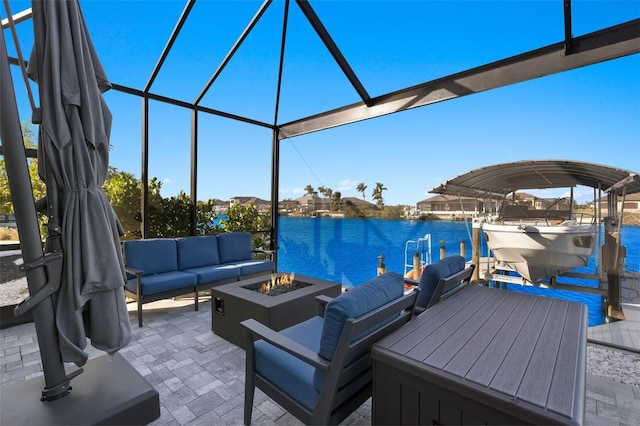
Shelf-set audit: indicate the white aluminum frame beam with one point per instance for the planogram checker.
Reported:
(17, 18)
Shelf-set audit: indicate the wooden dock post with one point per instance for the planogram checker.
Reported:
(417, 266)
(475, 250)
(381, 268)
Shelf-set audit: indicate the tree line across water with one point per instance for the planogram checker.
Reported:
(336, 196)
(171, 216)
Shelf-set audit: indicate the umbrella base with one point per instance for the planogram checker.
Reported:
(109, 391)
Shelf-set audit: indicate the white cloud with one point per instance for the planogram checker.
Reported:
(347, 185)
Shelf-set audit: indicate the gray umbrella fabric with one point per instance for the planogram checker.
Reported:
(73, 155)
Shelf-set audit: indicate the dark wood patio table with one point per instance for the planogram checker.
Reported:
(484, 356)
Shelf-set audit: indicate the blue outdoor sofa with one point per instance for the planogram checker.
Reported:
(160, 268)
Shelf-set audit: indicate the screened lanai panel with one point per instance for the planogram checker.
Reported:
(247, 83)
(589, 16)
(169, 147)
(130, 36)
(207, 36)
(311, 80)
(234, 160)
(392, 45)
(125, 132)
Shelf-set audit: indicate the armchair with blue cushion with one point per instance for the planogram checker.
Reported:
(320, 370)
(441, 279)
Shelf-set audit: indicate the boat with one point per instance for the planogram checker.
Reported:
(540, 243)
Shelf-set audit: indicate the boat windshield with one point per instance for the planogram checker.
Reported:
(552, 210)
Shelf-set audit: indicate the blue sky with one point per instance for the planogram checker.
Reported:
(589, 114)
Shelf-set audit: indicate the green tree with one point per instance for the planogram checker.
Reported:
(168, 217)
(249, 219)
(205, 217)
(361, 188)
(123, 191)
(173, 217)
(38, 186)
(377, 194)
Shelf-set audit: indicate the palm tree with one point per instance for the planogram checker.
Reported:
(377, 194)
(336, 199)
(361, 188)
(327, 192)
(309, 190)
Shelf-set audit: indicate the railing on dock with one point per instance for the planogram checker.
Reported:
(420, 247)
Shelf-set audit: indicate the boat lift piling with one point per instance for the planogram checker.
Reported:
(475, 250)
(613, 254)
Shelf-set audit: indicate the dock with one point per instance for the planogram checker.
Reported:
(623, 334)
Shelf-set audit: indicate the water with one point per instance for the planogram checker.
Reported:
(347, 250)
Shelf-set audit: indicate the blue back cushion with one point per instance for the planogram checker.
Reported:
(194, 252)
(432, 274)
(153, 256)
(354, 303)
(234, 246)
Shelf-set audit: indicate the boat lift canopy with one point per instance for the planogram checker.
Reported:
(502, 179)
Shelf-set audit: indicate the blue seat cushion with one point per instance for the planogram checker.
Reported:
(152, 284)
(354, 303)
(290, 374)
(255, 266)
(197, 251)
(234, 246)
(207, 274)
(433, 272)
(152, 256)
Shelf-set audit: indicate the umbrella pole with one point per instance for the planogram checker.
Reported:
(56, 381)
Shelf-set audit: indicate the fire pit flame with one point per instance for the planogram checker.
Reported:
(277, 281)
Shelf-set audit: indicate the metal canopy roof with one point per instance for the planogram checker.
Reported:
(502, 179)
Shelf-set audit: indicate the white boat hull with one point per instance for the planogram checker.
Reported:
(539, 252)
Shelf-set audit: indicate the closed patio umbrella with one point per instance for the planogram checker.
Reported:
(73, 156)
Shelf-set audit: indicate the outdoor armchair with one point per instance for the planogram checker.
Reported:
(320, 370)
(441, 279)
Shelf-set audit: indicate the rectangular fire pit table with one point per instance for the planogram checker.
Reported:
(236, 302)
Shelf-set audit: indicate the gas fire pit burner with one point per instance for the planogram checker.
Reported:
(278, 284)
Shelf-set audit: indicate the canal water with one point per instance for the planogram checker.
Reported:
(347, 251)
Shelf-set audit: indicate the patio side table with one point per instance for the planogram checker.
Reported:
(484, 356)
